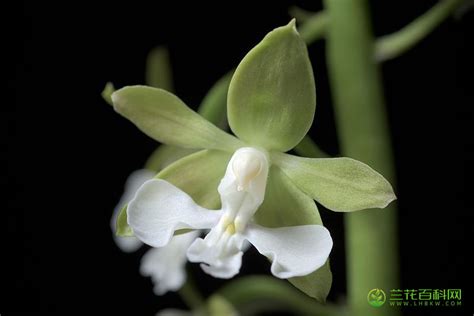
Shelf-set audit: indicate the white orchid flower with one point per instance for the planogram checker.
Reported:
(133, 183)
(271, 103)
(159, 209)
(166, 265)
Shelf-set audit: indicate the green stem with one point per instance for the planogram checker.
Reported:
(158, 72)
(301, 15)
(371, 235)
(190, 295)
(314, 27)
(393, 45)
(254, 289)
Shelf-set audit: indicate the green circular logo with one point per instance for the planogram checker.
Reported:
(376, 297)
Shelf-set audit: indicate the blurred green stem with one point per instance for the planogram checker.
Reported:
(371, 235)
(158, 70)
(301, 15)
(191, 295)
(314, 26)
(253, 290)
(393, 45)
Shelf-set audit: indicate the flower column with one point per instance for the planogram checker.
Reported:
(371, 236)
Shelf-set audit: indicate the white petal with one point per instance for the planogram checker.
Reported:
(159, 208)
(294, 251)
(227, 270)
(166, 265)
(172, 284)
(219, 265)
(134, 181)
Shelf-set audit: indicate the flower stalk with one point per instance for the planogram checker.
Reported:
(371, 236)
(190, 294)
(395, 44)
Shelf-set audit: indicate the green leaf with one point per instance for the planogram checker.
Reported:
(272, 98)
(199, 175)
(122, 228)
(158, 69)
(286, 205)
(340, 184)
(165, 118)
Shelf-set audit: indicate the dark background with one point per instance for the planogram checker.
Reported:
(67, 154)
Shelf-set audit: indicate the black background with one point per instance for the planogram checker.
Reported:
(67, 154)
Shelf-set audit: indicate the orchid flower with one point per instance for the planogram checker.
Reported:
(246, 187)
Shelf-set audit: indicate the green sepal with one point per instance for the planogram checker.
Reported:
(165, 118)
(272, 96)
(165, 155)
(285, 204)
(340, 184)
(107, 93)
